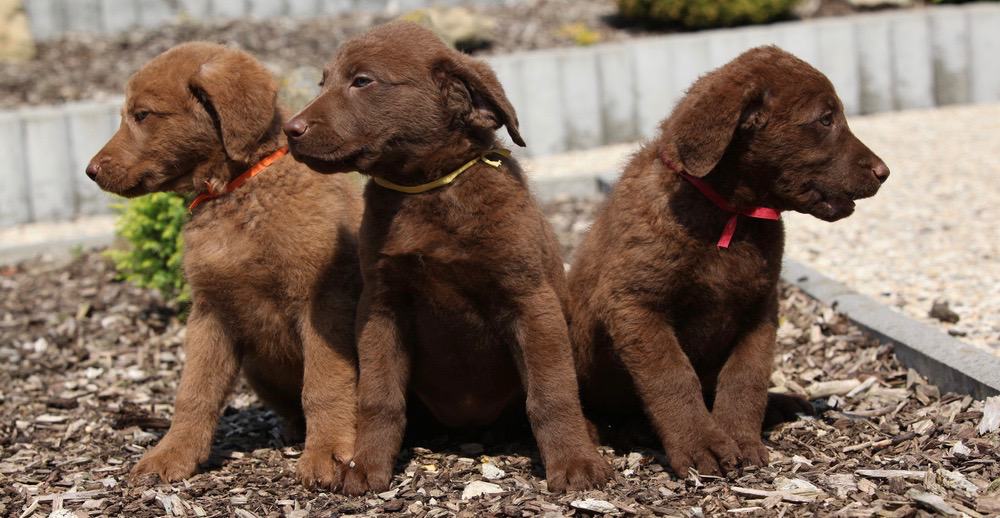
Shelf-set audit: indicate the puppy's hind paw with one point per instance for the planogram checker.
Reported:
(782, 408)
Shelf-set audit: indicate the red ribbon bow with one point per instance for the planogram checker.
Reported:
(720, 202)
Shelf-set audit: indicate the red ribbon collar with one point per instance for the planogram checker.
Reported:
(258, 168)
(720, 202)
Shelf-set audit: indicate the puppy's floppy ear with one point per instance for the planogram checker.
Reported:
(704, 122)
(473, 93)
(241, 97)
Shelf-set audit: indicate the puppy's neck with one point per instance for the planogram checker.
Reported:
(217, 170)
(738, 184)
(439, 159)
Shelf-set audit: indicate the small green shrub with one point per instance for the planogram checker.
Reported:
(703, 14)
(152, 227)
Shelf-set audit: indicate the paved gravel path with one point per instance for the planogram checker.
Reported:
(930, 234)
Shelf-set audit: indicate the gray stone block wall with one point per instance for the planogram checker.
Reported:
(950, 54)
(616, 82)
(116, 16)
(689, 60)
(46, 135)
(875, 75)
(799, 39)
(912, 68)
(984, 47)
(580, 95)
(48, 148)
(541, 110)
(651, 66)
(571, 98)
(15, 196)
(82, 15)
(51, 19)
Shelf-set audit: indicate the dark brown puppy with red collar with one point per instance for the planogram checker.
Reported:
(464, 290)
(673, 292)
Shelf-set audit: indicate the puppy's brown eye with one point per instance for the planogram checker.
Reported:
(361, 82)
(827, 120)
(140, 116)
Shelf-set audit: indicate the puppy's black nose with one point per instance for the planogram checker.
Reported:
(295, 128)
(881, 171)
(92, 169)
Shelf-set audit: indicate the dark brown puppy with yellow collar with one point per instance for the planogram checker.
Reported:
(464, 288)
(674, 300)
(272, 265)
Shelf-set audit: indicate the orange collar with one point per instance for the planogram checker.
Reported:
(241, 179)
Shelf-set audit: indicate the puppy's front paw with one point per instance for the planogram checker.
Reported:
(169, 460)
(363, 474)
(753, 452)
(586, 471)
(320, 468)
(706, 448)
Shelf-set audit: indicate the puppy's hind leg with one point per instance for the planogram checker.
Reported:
(211, 368)
(782, 408)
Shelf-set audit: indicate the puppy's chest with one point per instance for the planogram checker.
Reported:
(235, 264)
(737, 274)
(717, 289)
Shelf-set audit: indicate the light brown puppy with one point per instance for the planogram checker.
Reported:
(272, 266)
(670, 317)
(464, 292)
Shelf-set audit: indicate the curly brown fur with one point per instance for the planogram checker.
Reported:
(663, 319)
(464, 290)
(272, 266)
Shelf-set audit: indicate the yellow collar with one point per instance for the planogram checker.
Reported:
(444, 180)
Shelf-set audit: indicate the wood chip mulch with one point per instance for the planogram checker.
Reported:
(89, 366)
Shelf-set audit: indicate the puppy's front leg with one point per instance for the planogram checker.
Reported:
(553, 403)
(670, 390)
(209, 371)
(384, 375)
(328, 396)
(741, 390)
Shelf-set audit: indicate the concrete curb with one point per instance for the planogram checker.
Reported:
(951, 364)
